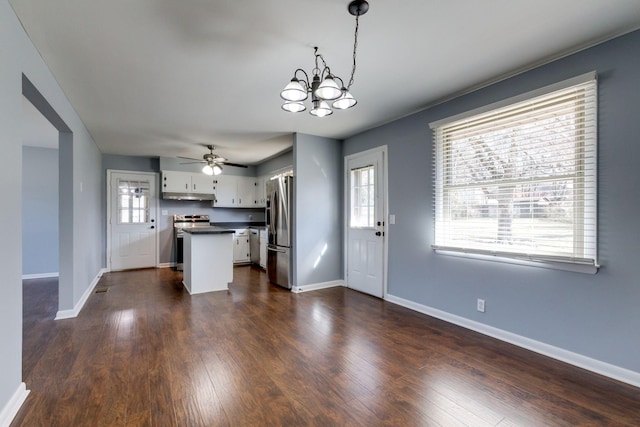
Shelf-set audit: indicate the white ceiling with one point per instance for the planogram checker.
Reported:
(163, 77)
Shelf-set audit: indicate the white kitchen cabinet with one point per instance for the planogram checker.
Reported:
(176, 182)
(235, 191)
(261, 191)
(246, 191)
(241, 246)
(187, 183)
(263, 248)
(202, 183)
(226, 191)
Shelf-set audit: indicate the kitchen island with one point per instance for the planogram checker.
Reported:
(208, 259)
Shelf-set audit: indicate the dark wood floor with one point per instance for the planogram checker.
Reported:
(147, 353)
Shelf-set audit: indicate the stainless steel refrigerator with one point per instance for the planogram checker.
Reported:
(279, 230)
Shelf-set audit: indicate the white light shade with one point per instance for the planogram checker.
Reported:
(293, 107)
(294, 91)
(207, 170)
(345, 101)
(321, 109)
(217, 169)
(328, 89)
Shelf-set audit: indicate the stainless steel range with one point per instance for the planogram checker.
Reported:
(180, 222)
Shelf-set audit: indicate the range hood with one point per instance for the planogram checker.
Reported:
(187, 196)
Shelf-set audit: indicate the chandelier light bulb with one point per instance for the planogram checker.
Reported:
(293, 107)
(217, 169)
(328, 89)
(345, 101)
(320, 109)
(294, 91)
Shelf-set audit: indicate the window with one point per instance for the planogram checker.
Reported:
(133, 202)
(518, 180)
(362, 197)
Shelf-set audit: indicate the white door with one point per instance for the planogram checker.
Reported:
(132, 222)
(365, 194)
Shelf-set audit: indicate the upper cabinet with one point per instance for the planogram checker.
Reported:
(247, 192)
(187, 186)
(226, 191)
(201, 183)
(235, 192)
(261, 191)
(176, 182)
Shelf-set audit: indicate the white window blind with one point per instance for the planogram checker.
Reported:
(518, 179)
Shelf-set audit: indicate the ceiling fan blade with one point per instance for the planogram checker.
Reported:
(189, 158)
(233, 164)
(192, 163)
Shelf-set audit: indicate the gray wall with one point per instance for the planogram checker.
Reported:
(318, 210)
(282, 161)
(82, 258)
(40, 239)
(10, 172)
(593, 315)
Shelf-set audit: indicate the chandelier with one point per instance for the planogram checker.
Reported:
(323, 86)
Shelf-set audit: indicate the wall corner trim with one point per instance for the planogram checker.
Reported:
(575, 359)
(12, 407)
(317, 286)
(69, 314)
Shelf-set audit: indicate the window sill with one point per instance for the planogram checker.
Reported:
(564, 266)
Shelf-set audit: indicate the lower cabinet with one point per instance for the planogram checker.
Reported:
(241, 249)
(263, 249)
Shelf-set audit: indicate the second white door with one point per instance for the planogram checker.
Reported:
(365, 222)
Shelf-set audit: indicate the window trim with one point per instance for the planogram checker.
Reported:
(581, 265)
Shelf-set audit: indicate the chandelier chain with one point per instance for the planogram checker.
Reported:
(355, 46)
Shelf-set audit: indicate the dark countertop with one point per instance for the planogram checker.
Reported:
(239, 224)
(208, 230)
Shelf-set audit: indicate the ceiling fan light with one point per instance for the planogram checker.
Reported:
(216, 169)
(345, 101)
(320, 109)
(207, 170)
(328, 89)
(294, 91)
(293, 107)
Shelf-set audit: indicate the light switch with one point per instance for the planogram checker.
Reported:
(392, 219)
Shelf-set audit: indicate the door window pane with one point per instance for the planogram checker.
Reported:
(133, 202)
(362, 197)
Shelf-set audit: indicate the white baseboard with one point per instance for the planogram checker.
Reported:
(166, 265)
(68, 314)
(13, 405)
(39, 276)
(317, 286)
(584, 362)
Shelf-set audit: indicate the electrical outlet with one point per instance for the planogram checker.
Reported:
(480, 305)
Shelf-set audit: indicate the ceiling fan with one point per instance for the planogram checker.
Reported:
(212, 162)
